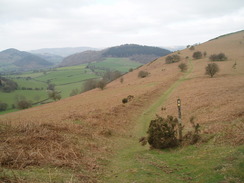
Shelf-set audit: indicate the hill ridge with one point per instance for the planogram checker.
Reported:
(134, 52)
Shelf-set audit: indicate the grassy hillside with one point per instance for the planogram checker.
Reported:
(93, 137)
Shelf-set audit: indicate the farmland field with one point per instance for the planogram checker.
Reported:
(120, 64)
(33, 85)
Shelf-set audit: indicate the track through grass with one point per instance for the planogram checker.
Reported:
(124, 162)
(203, 163)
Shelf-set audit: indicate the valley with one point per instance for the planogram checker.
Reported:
(33, 85)
(94, 136)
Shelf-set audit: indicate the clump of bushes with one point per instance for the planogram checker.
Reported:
(172, 59)
(7, 85)
(218, 57)
(24, 104)
(165, 133)
(143, 74)
(183, 67)
(127, 99)
(211, 69)
(90, 84)
(111, 75)
(74, 92)
(101, 84)
(197, 55)
(55, 95)
(3, 106)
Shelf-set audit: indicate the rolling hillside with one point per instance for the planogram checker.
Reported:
(13, 59)
(93, 137)
(63, 52)
(137, 53)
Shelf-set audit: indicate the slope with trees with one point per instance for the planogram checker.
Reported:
(137, 53)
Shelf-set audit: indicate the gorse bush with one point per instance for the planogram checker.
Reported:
(162, 132)
(218, 57)
(172, 59)
(165, 133)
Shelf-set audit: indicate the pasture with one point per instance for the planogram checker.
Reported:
(32, 85)
(121, 64)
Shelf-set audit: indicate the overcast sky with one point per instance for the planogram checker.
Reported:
(33, 24)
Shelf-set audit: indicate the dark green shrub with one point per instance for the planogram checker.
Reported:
(143, 74)
(197, 55)
(212, 69)
(162, 132)
(183, 67)
(172, 59)
(165, 133)
(218, 57)
(3, 106)
(124, 100)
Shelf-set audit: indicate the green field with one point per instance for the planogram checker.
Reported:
(33, 84)
(33, 95)
(120, 64)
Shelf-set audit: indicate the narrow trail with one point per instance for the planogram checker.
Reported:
(127, 165)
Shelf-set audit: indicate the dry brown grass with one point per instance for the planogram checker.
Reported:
(217, 101)
(79, 132)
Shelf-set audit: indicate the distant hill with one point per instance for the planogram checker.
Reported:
(63, 52)
(55, 59)
(138, 53)
(13, 58)
(83, 57)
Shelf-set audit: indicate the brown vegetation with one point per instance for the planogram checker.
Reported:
(76, 132)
